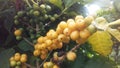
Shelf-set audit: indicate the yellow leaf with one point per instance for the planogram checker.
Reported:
(101, 42)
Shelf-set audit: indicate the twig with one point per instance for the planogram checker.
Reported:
(28, 41)
(37, 63)
(28, 3)
(28, 65)
(44, 60)
(37, 28)
(74, 48)
(34, 2)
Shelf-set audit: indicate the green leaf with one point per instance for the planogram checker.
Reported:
(115, 33)
(4, 58)
(57, 3)
(100, 62)
(69, 3)
(23, 45)
(101, 42)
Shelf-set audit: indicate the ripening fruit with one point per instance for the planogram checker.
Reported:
(59, 45)
(49, 64)
(67, 31)
(43, 56)
(17, 67)
(91, 29)
(74, 35)
(48, 42)
(80, 41)
(79, 17)
(12, 58)
(36, 13)
(40, 39)
(17, 32)
(36, 53)
(44, 51)
(62, 25)
(80, 24)
(84, 34)
(12, 63)
(71, 56)
(54, 35)
(18, 63)
(17, 56)
(59, 30)
(88, 20)
(45, 65)
(61, 37)
(71, 24)
(23, 59)
(56, 66)
(24, 55)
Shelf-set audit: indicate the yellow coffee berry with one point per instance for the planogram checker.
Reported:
(56, 66)
(80, 24)
(67, 31)
(36, 53)
(88, 20)
(24, 55)
(40, 39)
(71, 25)
(17, 56)
(62, 24)
(23, 59)
(48, 42)
(59, 30)
(79, 17)
(43, 56)
(84, 34)
(50, 64)
(12, 58)
(18, 32)
(74, 35)
(61, 37)
(71, 56)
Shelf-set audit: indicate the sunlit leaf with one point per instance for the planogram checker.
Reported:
(57, 3)
(101, 42)
(23, 45)
(4, 58)
(115, 33)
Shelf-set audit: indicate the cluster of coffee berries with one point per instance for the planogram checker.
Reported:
(33, 20)
(50, 65)
(18, 60)
(72, 29)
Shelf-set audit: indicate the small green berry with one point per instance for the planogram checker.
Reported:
(20, 13)
(52, 18)
(17, 67)
(18, 63)
(42, 6)
(18, 37)
(48, 7)
(36, 13)
(16, 22)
